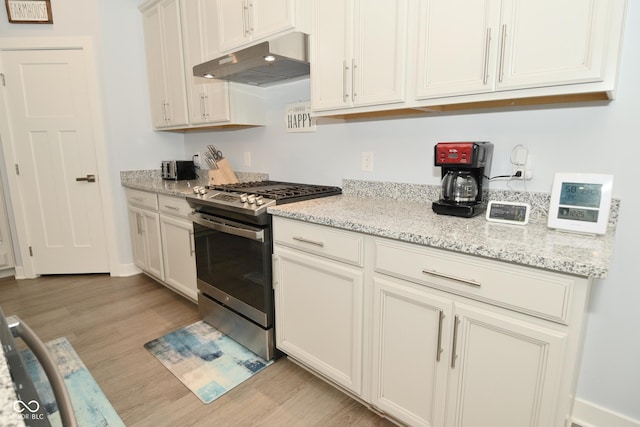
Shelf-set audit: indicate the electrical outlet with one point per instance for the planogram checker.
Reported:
(247, 158)
(367, 161)
(197, 162)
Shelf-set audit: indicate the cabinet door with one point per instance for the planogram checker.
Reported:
(457, 52)
(379, 60)
(331, 54)
(173, 63)
(504, 372)
(208, 99)
(151, 230)
(411, 331)
(267, 17)
(233, 25)
(547, 42)
(165, 62)
(138, 246)
(179, 255)
(319, 315)
(155, 67)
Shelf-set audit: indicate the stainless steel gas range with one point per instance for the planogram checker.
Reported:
(233, 244)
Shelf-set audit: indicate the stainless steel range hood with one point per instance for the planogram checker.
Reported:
(264, 64)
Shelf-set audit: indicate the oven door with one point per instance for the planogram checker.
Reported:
(233, 264)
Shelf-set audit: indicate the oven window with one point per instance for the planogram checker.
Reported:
(237, 266)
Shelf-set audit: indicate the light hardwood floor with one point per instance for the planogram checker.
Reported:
(107, 320)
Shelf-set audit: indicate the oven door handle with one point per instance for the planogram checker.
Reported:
(235, 229)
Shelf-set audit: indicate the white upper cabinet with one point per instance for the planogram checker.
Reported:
(455, 54)
(208, 99)
(163, 41)
(241, 22)
(546, 42)
(358, 53)
(497, 46)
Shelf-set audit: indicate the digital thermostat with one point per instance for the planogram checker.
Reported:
(580, 202)
(508, 212)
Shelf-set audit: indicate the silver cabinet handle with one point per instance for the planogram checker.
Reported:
(173, 208)
(503, 38)
(439, 350)
(206, 101)
(454, 349)
(469, 282)
(345, 70)
(88, 178)
(192, 245)
(487, 45)
(20, 329)
(250, 17)
(202, 107)
(312, 242)
(353, 80)
(138, 226)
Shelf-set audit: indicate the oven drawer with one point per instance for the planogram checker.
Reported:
(528, 290)
(142, 199)
(172, 205)
(318, 239)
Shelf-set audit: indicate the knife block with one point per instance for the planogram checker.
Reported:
(223, 175)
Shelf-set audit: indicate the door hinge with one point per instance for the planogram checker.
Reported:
(3, 82)
(30, 251)
(17, 169)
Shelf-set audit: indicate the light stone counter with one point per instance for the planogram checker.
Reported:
(404, 213)
(8, 416)
(150, 180)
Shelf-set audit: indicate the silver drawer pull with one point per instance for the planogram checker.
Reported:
(172, 208)
(447, 276)
(312, 242)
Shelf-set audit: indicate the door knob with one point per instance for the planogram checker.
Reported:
(88, 178)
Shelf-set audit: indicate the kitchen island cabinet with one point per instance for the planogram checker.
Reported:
(456, 326)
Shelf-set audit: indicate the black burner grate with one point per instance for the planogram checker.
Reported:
(282, 192)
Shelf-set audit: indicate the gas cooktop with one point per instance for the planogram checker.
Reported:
(253, 198)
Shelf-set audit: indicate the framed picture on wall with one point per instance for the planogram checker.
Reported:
(29, 11)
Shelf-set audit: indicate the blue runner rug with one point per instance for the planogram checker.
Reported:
(206, 361)
(91, 406)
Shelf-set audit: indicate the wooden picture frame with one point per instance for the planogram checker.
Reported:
(29, 11)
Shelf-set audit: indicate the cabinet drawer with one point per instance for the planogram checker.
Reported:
(143, 199)
(176, 206)
(321, 240)
(528, 290)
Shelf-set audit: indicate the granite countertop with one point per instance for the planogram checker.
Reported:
(403, 212)
(414, 221)
(8, 416)
(150, 180)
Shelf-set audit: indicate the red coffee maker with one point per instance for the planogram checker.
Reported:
(465, 169)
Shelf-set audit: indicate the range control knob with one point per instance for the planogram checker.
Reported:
(259, 201)
(251, 199)
(244, 198)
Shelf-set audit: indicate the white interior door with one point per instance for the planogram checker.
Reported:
(52, 138)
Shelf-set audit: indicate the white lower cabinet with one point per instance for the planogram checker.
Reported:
(178, 252)
(162, 239)
(425, 336)
(145, 240)
(409, 369)
(319, 305)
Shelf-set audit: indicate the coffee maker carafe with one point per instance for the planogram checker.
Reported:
(465, 166)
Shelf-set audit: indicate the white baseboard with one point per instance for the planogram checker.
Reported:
(586, 414)
(125, 270)
(7, 273)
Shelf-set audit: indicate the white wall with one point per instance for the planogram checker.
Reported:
(595, 138)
